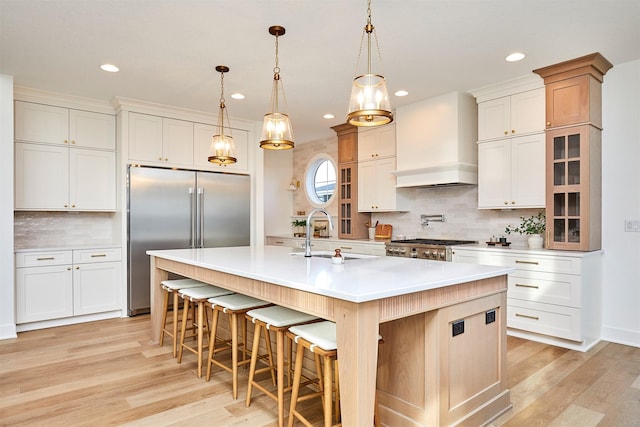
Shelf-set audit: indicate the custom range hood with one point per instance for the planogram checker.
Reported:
(436, 142)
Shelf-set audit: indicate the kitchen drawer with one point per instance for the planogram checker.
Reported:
(37, 259)
(552, 264)
(96, 255)
(546, 319)
(552, 288)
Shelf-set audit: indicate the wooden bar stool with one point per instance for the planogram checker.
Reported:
(320, 339)
(172, 287)
(275, 319)
(197, 296)
(236, 306)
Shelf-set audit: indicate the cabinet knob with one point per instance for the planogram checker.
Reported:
(160, 158)
(548, 123)
(506, 132)
(66, 141)
(506, 202)
(68, 268)
(73, 206)
(166, 159)
(77, 267)
(66, 206)
(513, 202)
(73, 141)
(513, 131)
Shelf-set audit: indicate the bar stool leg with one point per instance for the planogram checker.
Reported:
(328, 391)
(185, 311)
(165, 308)
(297, 375)
(212, 340)
(234, 353)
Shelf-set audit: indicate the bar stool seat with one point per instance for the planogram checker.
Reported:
(235, 306)
(197, 296)
(275, 319)
(172, 287)
(320, 339)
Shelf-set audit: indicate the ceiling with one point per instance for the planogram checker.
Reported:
(167, 49)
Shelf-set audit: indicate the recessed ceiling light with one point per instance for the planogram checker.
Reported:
(329, 116)
(110, 68)
(515, 56)
(401, 93)
(237, 96)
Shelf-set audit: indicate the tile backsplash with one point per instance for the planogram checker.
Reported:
(65, 229)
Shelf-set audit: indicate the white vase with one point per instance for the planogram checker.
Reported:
(535, 241)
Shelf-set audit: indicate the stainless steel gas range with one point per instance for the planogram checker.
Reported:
(435, 249)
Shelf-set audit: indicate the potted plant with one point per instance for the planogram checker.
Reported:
(534, 227)
(299, 226)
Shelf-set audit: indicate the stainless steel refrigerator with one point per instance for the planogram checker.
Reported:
(174, 209)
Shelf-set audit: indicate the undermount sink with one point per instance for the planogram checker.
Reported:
(329, 254)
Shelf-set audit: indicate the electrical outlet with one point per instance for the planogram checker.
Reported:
(489, 317)
(457, 327)
(632, 225)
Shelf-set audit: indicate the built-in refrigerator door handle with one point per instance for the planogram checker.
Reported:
(201, 215)
(192, 195)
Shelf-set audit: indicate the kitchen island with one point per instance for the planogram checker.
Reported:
(443, 356)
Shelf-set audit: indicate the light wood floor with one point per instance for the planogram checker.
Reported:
(108, 373)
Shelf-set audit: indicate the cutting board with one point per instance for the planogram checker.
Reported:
(383, 231)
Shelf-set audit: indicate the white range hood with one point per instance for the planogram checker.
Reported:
(436, 142)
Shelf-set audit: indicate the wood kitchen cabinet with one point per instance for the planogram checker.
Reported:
(512, 173)
(351, 222)
(64, 159)
(574, 152)
(63, 284)
(159, 140)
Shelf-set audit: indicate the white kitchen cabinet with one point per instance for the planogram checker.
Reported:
(64, 159)
(377, 187)
(513, 115)
(50, 124)
(202, 143)
(60, 178)
(160, 140)
(511, 172)
(552, 296)
(377, 142)
(62, 284)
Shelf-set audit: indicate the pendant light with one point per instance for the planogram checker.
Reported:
(223, 150)
(369, 104)
(276, 129)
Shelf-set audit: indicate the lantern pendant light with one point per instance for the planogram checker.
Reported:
(276, 128)
(369, 103)
(223, 150)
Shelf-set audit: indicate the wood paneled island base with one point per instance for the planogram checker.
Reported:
(425, 376)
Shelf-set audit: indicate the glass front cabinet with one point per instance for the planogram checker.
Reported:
(573, 188)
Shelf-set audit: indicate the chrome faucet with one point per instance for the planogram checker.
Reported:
(307, 241)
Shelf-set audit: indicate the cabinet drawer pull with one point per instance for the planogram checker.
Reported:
(49, 258)
(98, 255)
(526, 262)
(522, 285)
(279, 242)
(346, 247)
(527, 316)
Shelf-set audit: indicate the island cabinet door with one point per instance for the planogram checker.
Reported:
(445, 366)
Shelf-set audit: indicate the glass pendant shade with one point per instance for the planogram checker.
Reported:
(369, 103)
(277, 133)
(222, 150)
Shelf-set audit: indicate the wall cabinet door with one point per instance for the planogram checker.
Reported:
(43, 293)
(177, 141)
(41, 123)
(96, 287)
(202, 135)
(145, 137)
(92, 130)
(41, 177)
(494, 177)
(92, 180)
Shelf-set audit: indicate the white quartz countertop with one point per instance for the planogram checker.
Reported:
(357, 280)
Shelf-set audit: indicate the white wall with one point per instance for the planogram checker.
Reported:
(620, 201)
(7, 315)
(278, 202)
